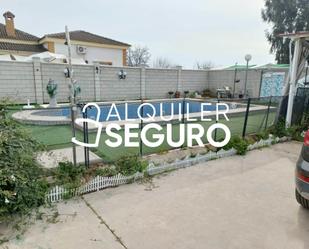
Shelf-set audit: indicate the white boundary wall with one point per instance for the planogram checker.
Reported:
(21, 81)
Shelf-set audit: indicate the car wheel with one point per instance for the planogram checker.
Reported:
(301, 200)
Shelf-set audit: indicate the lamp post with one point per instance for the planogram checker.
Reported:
(248, 57)
(235, 80)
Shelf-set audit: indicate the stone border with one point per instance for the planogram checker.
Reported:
(59, 193)
(29, 117)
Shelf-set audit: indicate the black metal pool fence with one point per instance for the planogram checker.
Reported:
(300, 107)
(246, 116)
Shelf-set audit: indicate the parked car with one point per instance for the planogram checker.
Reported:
(302, 174)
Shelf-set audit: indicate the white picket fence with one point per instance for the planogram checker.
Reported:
(59, 193)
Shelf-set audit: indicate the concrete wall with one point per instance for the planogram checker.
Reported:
(220, 78)
(113, 88)
(159, 82)
(194, 80)
(21, 81)
(84, 74)
(17, 81)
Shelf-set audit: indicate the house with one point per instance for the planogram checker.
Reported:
(87, 46)
(14, 41)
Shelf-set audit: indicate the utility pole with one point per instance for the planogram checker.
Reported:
(72, 91)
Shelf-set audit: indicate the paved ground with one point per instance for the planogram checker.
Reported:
(51, 159)
(238, 202)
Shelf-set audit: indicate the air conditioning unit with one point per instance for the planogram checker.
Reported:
(81, 50)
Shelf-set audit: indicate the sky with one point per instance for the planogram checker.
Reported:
(184, 32)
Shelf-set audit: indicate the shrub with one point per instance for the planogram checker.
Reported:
(262, 135)
(207, 93)
(279, 129)
(22, 186)
(249, 140)
(129, 165)
(192, 95)
(4, 105)
(295, 132)
(239, 144)
(106, 171)
(68, 175)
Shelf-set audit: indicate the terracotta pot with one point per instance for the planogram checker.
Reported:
(177, 94)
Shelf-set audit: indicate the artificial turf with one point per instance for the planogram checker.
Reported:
(55, 137)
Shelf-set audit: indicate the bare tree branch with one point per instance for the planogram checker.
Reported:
(138, 56)
(162, 62)
(204, 65)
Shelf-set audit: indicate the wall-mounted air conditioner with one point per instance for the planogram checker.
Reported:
(81, 50)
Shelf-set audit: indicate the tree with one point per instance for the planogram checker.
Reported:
(162, 62)
(138, 56)
(285, 16)
(204, 65)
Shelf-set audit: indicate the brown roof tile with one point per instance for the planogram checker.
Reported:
(80, 35)
(20, 35)
(21, 47)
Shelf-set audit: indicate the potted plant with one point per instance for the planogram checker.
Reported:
(52, 91)
(206, 93)
(170, 94)
(177, 94)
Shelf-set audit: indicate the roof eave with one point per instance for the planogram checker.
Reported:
(296, 35)
(52, 39)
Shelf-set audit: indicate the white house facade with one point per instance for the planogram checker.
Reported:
(85, 45)
(105, 56)
(89, 47)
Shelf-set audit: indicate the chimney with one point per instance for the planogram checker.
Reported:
(9, 24)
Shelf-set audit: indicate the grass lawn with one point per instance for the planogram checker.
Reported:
(55, 137)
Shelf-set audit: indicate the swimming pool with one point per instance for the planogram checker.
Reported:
(61, 114)
(130, 110)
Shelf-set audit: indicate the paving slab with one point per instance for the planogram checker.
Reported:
(76, 227)
(50, 159)
(238, 202)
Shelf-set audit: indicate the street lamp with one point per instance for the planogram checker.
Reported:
(235, 79)
(248, 58)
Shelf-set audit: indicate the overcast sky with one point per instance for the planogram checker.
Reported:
(221, 31)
